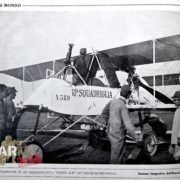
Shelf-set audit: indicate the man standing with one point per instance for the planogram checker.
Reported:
(10, 110)
(118, 125)
(175, 137)
(2, 112)
(81, 67)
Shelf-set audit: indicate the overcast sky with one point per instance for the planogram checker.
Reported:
(32, 37)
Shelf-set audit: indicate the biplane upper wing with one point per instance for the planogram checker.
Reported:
(166, 49)
(35, 72)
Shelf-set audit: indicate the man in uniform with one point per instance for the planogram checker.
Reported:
(175, 136)
(81, 67)
(118, 124)
(10, 110)
(2, 112)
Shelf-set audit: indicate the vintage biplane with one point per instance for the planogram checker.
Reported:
(82, 104)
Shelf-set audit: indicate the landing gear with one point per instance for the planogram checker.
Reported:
(32, 152)
(97, 139)
(150, 145)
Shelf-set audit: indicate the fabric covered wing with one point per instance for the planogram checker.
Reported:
(34, 72)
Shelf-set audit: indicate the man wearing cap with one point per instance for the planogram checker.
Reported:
(118, 124)
(3, 94)
(10, 110)
(81, 67)
(175, 137)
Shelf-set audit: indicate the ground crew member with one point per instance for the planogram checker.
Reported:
(10, 110)
(81, 67)
(118, 124)
(155, 123)
(175, 136)
(2, 112)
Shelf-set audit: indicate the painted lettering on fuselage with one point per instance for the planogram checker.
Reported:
(91, 93)
(61, 97)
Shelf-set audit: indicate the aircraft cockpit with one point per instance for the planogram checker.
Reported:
(101, 71)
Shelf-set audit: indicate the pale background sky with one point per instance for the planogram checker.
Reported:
(32, 37)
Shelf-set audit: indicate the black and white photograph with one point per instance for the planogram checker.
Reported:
(93, 85)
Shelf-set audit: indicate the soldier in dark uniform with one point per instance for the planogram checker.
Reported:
(3, 94)
(81, 67)
(10, 110)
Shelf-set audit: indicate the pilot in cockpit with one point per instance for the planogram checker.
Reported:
(81, 67)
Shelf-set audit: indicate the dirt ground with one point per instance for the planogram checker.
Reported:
(72, 147)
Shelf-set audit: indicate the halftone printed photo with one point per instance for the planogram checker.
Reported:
(89, 90)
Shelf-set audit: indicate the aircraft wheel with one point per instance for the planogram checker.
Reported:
(150, 146)
(34, 151)
(95, 138)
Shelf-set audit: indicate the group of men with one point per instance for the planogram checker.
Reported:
(117, 117)
(115, 114)
(7, 111)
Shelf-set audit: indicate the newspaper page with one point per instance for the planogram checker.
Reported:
(62, 62)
